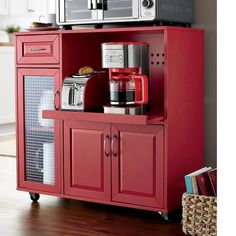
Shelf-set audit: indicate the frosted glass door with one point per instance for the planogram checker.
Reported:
(38, 139)
(39, 133)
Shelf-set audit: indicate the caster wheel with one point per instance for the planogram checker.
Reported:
(34, 197)
(188, 25)
(166, 217)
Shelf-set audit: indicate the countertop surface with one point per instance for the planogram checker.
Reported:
(6, 44)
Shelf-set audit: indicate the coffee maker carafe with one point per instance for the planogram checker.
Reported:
(128, 76)
(128, 87)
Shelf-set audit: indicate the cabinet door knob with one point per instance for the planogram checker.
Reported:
(57, 93)
(107, 145)
(114, 145)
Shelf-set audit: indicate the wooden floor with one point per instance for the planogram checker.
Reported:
(56, 216)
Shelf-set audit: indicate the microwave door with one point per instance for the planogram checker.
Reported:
(118, 9)
(78, 10)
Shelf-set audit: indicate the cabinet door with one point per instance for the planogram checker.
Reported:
(38, 139)
(18, 8)
(4, 7)
(51, 6)
(28, 7)
(137, 165)
(87, 159)
(38, 7)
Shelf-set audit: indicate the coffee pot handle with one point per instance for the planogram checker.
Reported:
(143, 80)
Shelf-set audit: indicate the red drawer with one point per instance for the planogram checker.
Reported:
(38, 49)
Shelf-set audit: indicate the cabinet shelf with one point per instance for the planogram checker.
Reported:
(102, 117)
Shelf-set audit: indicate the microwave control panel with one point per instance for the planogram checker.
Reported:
(148, 9)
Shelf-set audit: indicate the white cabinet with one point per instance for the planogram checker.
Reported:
(17, 7)
(4, 7)
(37, 6)
(52, 6)
(7, 85)
(28, 7)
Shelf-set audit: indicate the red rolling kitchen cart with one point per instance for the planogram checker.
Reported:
(136, 161)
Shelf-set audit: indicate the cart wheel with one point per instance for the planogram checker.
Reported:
(166, 217)
(34, 197)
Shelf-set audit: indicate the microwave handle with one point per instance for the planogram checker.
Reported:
(90, 5)
(100, 4)
(94, 3)
(61, 10)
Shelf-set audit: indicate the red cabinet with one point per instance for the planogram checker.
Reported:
(87, 160)
(134, 161)
(137, 165)
(127, 159)
(38, 139)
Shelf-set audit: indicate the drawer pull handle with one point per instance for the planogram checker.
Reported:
(114, 145)
(57, 93)
(37, 49)
(107, 145)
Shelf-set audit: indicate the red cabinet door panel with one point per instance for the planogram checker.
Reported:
(137, 169)
(86, 155)
(87, 168)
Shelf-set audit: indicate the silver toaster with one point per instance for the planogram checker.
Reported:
(85, 93)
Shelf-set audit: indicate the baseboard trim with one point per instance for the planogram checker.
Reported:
(7, 129)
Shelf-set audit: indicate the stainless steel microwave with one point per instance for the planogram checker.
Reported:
(75, 12)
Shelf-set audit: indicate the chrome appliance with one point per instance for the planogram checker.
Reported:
(75, 12)
(128, 76)
(85, 93)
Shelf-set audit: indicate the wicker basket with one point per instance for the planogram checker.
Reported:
(199, 215)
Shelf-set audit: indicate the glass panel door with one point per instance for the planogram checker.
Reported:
(76, 10)
(120, 9)
(39, 133)
(38, 139)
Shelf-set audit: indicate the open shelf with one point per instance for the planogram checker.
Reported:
(102, 117)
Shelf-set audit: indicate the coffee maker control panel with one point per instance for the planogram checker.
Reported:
(113, 58)
(126, 55)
